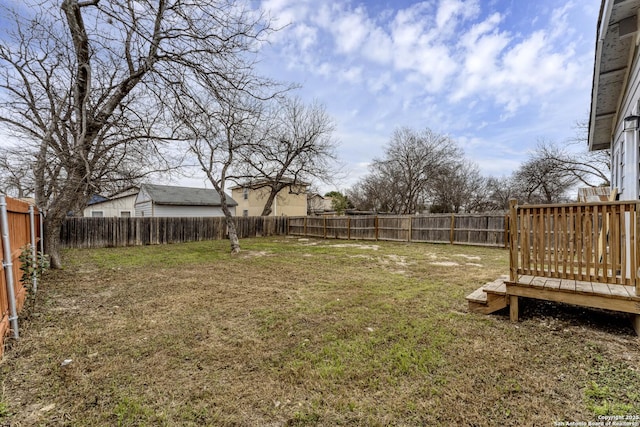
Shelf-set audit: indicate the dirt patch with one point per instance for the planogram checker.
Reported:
(255, 254)
(469, 257)
(355, 246)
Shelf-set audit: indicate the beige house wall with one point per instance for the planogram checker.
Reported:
(286, 203)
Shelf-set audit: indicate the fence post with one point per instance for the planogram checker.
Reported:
(507, 231)
(375, 226)
(34, 257)
(324, 222)
(7, 264)
(452, 230)
(41, 231)
(348, 228)
(410, 226)
(513, 247)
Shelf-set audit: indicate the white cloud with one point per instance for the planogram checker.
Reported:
(306, 35)
(451, 9)
(350, 30)
(351, 75)
(452, 65)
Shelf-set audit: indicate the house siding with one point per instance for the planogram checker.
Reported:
(112, 208)
(188, 211)
(144, 208)
(288, 202)
(625, 147)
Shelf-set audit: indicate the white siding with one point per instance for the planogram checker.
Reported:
(143, 209)
(625, 169)
(111, 208)
(188, 211)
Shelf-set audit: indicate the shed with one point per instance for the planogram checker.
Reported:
(171, 201)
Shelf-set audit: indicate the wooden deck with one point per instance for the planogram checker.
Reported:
(585, 254)
(502, 293)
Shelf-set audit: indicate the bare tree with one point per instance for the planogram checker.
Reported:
(219, 126)
(89, 87)
(402, 181)
(375, 192)
(588, 168)
(16, 177)
(499, 191)
(459, 188)
(298, 148)
(543, 180)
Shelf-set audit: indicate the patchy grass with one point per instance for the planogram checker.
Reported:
(306, 332)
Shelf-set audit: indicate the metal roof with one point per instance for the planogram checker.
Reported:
(184, 196)
(615, 48)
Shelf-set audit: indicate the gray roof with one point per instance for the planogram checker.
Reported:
(184, 196)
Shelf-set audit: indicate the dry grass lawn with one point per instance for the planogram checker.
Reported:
(306, 332)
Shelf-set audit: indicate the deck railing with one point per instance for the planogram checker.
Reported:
(596, 242)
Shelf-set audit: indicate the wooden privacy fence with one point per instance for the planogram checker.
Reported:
(467, 229)
(20, 222)
(596, 242)
(118, 232)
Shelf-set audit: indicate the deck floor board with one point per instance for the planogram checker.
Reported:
(616, 297)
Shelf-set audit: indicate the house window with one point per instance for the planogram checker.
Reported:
(97, 214)
(125, 214)
(245, 193)
(245, 212)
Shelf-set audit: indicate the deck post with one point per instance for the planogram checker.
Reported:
(636, 323)
(513, 308)
(636, 261)
(513, 238)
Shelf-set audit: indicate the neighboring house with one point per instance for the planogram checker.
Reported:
(251, 198)
(318, 205)
(120, 204)
(615, 97)
(170, 201)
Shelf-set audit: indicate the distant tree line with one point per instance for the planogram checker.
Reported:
(422, 171)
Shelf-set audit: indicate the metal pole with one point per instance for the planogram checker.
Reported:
(34, 257)
(8, 266)
(41, 230)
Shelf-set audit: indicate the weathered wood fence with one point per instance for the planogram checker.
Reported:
(467, 229)
(483, 230)
(118, 232)
(20, 222)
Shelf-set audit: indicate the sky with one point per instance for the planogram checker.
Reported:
(497, 76)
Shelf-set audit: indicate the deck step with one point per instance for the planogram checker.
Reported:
(489, 298)
(479, 296)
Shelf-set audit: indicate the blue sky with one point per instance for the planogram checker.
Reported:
(495, 75)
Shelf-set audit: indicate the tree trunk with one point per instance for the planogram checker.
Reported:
(51, 234)
(231, 224)
(233, 235)
(266, 211)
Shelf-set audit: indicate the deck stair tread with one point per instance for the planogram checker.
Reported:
(489, 298)
(479, 296)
